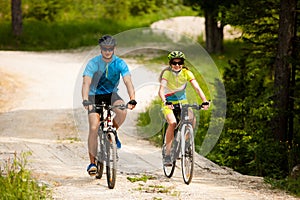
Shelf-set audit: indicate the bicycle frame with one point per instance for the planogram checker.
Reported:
(183, 122)
(183, 132)
(107, 151)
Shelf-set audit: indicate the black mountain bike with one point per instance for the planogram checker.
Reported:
(107, 147)
(183, 146)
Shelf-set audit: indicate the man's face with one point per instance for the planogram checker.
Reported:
(107, 51)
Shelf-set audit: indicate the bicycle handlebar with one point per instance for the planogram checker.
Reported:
(196, 106)
(121, 106)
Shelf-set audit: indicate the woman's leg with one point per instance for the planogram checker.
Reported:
(170, 131)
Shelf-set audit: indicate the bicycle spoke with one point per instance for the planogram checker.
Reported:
(168, 170)
(111, 162)
(187, 162)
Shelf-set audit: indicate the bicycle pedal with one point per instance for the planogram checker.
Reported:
(92, 173)
(168, 164)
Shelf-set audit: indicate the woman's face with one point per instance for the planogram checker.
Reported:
(177, 64)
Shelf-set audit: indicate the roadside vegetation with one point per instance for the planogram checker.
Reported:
(16, 181)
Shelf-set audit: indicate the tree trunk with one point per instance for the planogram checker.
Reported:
(283, 67)
(213, 34)
(16, 16)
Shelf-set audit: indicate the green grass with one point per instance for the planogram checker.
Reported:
(289, 184)
(76, 31)
(143, 178)
(54, 36)
(16, 181)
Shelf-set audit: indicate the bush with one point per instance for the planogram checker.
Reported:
(16, 181)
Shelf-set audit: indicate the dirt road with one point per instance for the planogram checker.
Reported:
(37, 115)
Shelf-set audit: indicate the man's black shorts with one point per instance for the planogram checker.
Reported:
(108, 99)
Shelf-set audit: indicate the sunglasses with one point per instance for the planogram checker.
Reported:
(107, 49)
(175, 63)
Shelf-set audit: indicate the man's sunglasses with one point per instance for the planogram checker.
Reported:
(175, 63)
(107, 49)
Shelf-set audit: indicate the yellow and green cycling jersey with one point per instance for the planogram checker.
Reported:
(175, 90)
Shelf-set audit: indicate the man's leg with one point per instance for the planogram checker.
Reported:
(120, 114)
(92, 140)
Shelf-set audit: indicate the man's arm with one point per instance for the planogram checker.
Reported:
(86, 87)
(129, 86)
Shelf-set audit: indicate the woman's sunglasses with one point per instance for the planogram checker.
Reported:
(175, 63)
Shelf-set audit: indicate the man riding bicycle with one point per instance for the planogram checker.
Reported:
(172, 91)
(100, 84)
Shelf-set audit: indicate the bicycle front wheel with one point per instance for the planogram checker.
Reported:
(168, 169)
(187, 160)
(100, 156)
(111, 162)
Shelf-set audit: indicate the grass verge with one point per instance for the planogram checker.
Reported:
(16, 181)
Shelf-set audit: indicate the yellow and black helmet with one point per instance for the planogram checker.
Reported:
(176, 54)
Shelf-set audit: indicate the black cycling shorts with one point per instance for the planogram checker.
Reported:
(108, 99)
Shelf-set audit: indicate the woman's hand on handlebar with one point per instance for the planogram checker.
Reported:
(205, 105)
(169, 104)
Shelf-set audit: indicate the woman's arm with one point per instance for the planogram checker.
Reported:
(161, 93)
(198, 90)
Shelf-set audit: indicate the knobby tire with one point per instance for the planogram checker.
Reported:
(111, 162)
(100, 159)
(187, 160)
(168, 170)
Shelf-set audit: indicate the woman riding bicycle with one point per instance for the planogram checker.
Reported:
(172, 91)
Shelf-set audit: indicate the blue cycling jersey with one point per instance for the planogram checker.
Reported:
(105, 76)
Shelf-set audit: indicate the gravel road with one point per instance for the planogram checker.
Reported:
(37, 115)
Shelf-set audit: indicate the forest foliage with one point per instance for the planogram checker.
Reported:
(70, 24)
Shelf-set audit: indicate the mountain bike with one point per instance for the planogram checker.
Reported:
(183, 146)
(107, 147)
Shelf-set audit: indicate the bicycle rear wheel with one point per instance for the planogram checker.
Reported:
(111, 160)
(187, 160)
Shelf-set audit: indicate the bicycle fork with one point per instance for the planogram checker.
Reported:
(185, 137)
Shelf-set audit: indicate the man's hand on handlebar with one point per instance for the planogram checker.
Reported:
(87, 104)
(131, 104)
